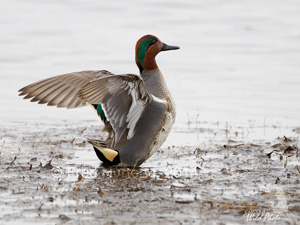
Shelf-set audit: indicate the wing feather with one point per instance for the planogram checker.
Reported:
(123, 97)
(62, 90)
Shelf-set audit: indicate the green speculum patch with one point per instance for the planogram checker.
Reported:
(100, 112)
(142, 49)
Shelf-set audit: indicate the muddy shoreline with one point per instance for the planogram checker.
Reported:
(50, 175)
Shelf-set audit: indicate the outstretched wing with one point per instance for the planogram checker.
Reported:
(62, 90)
(123, 97)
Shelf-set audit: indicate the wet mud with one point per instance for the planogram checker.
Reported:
(50, 175)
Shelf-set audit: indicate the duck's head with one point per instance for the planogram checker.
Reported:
(147, 47)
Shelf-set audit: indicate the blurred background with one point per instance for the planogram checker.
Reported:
(239, 60)
(236, 83)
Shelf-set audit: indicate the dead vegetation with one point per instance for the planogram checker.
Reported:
(219, 180)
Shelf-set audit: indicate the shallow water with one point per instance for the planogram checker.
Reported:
(237, 61)
(235, 78)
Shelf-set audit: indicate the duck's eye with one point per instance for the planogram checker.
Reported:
(153, 41)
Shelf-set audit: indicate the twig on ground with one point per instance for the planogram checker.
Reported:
(78, 185)
(2, 148)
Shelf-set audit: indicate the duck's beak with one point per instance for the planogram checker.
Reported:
(169, 47)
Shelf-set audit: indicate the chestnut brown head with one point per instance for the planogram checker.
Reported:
(147, 47)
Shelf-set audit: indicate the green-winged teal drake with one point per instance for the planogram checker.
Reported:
(138, 111)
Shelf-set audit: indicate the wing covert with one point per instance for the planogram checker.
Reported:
(123, 97)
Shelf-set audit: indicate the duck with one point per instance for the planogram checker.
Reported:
(138, 111)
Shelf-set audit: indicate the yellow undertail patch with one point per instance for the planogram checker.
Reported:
(108, 153)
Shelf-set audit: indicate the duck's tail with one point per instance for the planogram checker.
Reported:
(106, 155)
